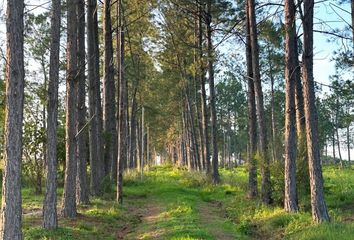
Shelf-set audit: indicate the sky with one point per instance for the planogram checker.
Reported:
(323, 49)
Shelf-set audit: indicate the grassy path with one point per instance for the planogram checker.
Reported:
(171, 207)
(173, 204)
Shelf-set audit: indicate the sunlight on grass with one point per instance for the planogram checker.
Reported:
(171, 203)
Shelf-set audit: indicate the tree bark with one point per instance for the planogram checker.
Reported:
(337, 134)
(319, 208)
(214, 133)
(122, 108)
(69, 196)
(252, 124)
(50, 219)
(299, 97)
(203, 96)
(109, 113)
(95, 108)
(334, 145)
(290, 199)
(272, 114)
(132, 139)
(82, 191)
(11, 210)
(348, 144)
(266, 190)
(196, 84)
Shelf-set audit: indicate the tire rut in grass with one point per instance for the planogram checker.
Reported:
(212, 218)
(142, 222)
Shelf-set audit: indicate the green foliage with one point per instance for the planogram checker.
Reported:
(277, 179)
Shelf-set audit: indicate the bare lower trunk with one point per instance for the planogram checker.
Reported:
(204, 108)
(290, 199)
(69, 196)
(82, 191)
(11, 210)
(334, 145)
(109, 122)
(214, 133)
(122, 108)
(132, 142)
(318, 204)
(266, 190)
(338, 145)
(252, 128)
(50, 219)
(273, 118)
(95, 109)
(348, 144)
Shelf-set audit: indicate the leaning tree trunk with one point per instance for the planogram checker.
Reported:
(214, 133)
(95, 109)
(69, 196)
(50, 219)
(82, 191)
(11, 211)
(266, 190)
(318, 204)
(252, 124)
(109, 113)
(290, 199)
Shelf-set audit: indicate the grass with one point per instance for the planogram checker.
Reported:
(171, 203)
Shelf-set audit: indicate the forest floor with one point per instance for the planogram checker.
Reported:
(170, 203)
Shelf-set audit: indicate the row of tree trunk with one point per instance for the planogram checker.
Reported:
(300, 112)
(104, 142)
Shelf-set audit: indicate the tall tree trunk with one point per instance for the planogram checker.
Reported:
(197, 83)
(142, 159)
(69, 196)
(337, 134)
(43, 161)
(50, 219)
(122, 108)
(319, 208)
(214, 133)
(96, 146)
(334, 144)
(290, 199)
(203, 96)
(109, 113)
(194, 141)
(82, 191)
(132, 139)
(299, 97)
(11, 210)
(252, 124)
(187, 141)
(272, 114)
(348, 143)
(266, 190)
(339, 150)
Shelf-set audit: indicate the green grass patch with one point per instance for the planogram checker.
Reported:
(171, 203)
